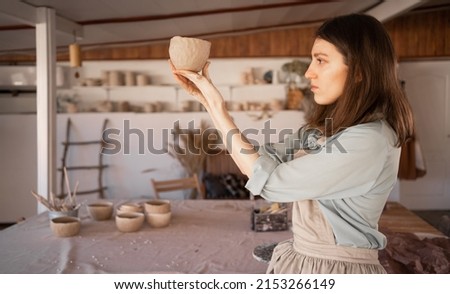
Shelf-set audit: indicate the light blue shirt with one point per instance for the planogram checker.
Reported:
(350, 174)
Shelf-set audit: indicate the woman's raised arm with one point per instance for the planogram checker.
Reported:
(200, 86)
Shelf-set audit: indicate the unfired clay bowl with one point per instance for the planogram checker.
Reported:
(159, 220)
(189, 53)
(100, 210)
(65, 226)
(130, 207)
(127, 222)
(157, 206)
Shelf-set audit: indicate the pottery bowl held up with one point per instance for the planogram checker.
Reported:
(158, 220)
(65, 226)
(100, 210)
(127, 222)
(189, 53)
(157, 206)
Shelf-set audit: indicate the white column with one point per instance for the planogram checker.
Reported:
(46, 101)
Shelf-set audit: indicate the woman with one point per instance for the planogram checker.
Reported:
(339, 169)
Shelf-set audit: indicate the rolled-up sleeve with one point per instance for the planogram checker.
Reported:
(347, 165)
(262, 169)
(273, 154)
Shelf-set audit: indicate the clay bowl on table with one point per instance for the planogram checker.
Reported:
(127, 222)
(101, 210)
(65, 226)
(158, 220)
(157, 206)
(189, 53)
(130, 207)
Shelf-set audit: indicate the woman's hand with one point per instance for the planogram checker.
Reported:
(201, 87)
(198, 85)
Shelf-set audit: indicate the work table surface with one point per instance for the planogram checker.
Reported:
(205, 236)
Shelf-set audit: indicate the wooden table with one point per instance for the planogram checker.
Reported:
(412, 245)
(205, 236)
(398, 218)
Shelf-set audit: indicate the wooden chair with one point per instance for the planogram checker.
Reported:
(178, 184)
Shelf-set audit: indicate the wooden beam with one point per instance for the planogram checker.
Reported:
(387, 10)
(18, 11)
(46, 101)
(27, 14)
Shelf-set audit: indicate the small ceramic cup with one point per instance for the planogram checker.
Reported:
(158, 220)
(65, 226)
(157, 206)
(128, 222)
(130, 207)
(101, 210)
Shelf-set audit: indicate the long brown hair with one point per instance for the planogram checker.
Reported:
(372, 88)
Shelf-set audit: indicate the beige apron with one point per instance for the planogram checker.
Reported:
(313, 249)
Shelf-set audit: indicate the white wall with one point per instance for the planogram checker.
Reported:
(124, 177)
(18, 173)
(428, 89)
(427, 86)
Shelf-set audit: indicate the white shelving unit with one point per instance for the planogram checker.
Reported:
(225, 73)
(171, 96)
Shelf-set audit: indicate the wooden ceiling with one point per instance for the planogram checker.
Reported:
(100, 23)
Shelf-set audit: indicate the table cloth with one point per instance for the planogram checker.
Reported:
(204, 236)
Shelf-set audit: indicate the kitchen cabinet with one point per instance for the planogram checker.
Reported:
(427, 85)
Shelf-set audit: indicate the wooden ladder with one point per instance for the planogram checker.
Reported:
(100, 167)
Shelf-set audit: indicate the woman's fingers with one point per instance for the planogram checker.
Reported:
(191, 76)
(192, 82)
(172, 67)
(205, 70)
(183, 81)
(178, 77)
